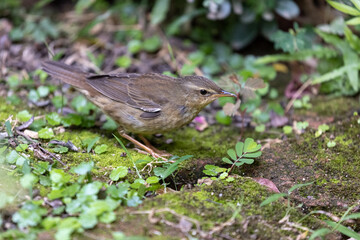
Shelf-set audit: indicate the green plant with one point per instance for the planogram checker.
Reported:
(277, 196)
(244, 153)
(336, 226)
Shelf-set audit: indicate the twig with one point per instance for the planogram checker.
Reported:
(297, 94)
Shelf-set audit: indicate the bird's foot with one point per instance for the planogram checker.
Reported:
(146, 148)
(161, 153)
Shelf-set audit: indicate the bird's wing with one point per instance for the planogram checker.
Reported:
(131, 89)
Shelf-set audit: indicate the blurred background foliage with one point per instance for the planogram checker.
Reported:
(295, 42)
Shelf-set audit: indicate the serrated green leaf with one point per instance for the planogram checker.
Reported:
(23, 116)
(119, 172)
(53, 119)
(46, 133)
(101, 149)
(232, 154)
(21, 147)
(43, 91)
(83, 168)
(272, 198)
(239, 148)
(60, 149)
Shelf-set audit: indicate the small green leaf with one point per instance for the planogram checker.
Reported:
(323, 127)
(230, 179)
(23, 116)
(43, 91)
(223, 175)
(222, 118)
(353, 21)
(90, 143)
(287, 130)
(253, 155)
(88, 221)
(123, 61)
(152, 180)
(272, 198)
(152, 44)
(318, 133)
(59, 101)
(134, 46)
(33, 96)
(232, 154)
(238, 164)
(107, 217)
(331, 144)
(247, 160)
(83, 168)
(46, 133)
(28, 180)
(53, 119)
(8, 128)
(239, 148)
(159, 11)
(21, 147)
(60, 149)
(101, 149)
(187, 69)
(260, 128)
(247, 142)
(119, 172)
(226, 160)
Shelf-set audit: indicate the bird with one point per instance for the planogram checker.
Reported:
(141, 103)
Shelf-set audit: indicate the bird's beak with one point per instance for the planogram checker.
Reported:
(225, 94)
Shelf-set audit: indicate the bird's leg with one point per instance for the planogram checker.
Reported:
(149, 145)
(139, 144)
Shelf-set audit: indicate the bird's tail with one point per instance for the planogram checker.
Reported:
(66, 73)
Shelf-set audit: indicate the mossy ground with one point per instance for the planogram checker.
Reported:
(299, 159)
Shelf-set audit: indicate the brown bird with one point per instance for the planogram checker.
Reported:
(142, 103)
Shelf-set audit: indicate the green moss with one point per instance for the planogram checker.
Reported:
(335, 170)
(329, 107)
(6, 110)
(210, 206)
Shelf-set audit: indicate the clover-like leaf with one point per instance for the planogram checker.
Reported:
(239, 148)
(253, 155)
(226, 160)
(232, 154)
(247, 160)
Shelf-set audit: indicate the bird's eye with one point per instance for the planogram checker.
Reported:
(203, 92)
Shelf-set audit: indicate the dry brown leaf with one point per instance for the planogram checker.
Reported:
(251, 85)
(231, 109)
